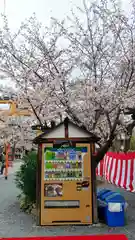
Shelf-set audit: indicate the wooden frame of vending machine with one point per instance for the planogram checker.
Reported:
(65, 176)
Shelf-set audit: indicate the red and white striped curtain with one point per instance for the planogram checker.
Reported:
(118, 169)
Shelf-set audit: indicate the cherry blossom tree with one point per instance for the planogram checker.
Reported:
(90, 79)
(30, 64)
(17, 131)
(15, 124)
(103, 46)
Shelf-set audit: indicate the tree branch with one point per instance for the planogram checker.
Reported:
(34, 111)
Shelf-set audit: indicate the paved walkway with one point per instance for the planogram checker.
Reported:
(12, 170)
(14, 223)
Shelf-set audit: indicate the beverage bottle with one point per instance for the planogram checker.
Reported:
(76, 164)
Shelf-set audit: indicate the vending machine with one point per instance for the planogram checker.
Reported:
(66, 189)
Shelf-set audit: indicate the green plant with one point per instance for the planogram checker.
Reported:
(132, 143)
(25, 180)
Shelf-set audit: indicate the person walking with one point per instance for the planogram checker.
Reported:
(3, 162)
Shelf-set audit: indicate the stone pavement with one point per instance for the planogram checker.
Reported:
(14, 223)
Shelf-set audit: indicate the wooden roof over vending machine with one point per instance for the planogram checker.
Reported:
(66, 130)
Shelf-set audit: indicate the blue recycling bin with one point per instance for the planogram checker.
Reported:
(101, 203)
(105, 194)
(112, 208)
(102, 191)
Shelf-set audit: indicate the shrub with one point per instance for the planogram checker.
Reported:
(25, 180)
(132, 143)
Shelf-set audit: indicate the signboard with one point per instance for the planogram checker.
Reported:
(4, 106)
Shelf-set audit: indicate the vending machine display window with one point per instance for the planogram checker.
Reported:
(64, 163)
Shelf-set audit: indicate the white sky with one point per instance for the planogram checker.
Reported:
(18, 10)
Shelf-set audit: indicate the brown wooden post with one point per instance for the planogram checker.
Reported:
(94, 186)
(66, 128)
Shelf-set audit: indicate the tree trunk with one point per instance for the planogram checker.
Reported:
(101, 152)
(13, 151)
(104, 149)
